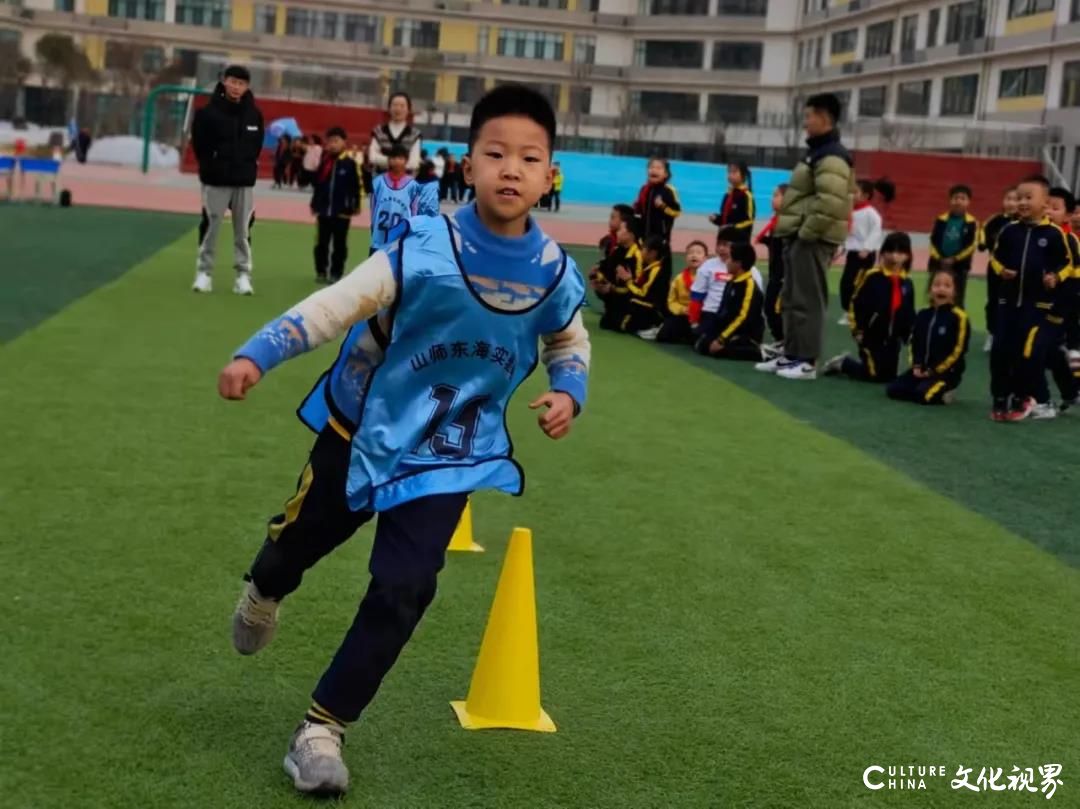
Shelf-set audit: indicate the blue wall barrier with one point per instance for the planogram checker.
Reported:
(598, 179)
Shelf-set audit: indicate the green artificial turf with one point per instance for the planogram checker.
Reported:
(50, 256)
(740, 605)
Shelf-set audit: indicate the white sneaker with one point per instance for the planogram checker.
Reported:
(796, 369)
(835, 365)
(843, 321)
(1043, 411)
(204, 282)
(314, 760)
(254, 621)
(243, 284)
(771, 351)
(649, 334)
(989, 343)
(769, 366)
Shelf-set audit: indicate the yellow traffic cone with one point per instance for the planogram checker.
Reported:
(462, 540)
(505, 688)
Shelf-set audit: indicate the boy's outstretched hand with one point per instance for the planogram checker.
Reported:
(237, 378)
(556, 420)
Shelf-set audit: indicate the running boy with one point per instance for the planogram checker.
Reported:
(443, 325)
(395, 196)
(881, 315)
(954, 237)
(1032, 257)
(939, 341)
(334, 201)
(735, 331)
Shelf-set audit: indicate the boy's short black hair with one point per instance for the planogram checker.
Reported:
(656, 244)
(635, 226)
(866, 186)
(960, 188)
(397, 150)
(782, 187)
(827, 103)
(237, 72)
(625, 212)
(728, 233)
(1036, 179)
(1066, 196)
(744, 254)
(698, 243)
(336, 131)
(513, 99)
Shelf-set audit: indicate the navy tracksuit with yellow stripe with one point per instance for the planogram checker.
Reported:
(739, 323)
(881, 313)
(960, 260)
(1059, 321)
(1033, 251)
(939, 341)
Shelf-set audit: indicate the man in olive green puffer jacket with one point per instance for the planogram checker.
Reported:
(812, 222)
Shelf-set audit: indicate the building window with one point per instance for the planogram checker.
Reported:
(584, 49)
(819, 46)
(537, 3)
(1022, 81)
(844, 41)
(913, 98)
(872, 101)
(736, 56)
(1074, 15)
(416, 34)
(958, 94)
(909, 25)
(362, 28)
(667, 106)
(301, 22)
(679, 7)
(1025, 8)
(965, 21)
(483, 39)
(211, 13)
(732, 109)
(669, 53)
(137, 9)
(933, 22)
(744, 8)
(580, 100)
(329, 27)
(469, 89)
(64, 5)
(1070, 85)
(530, 44)
(879, 39)
(266, 18)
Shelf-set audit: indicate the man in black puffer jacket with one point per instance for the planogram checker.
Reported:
(227, 136)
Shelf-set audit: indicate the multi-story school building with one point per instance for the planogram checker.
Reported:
(692, 76)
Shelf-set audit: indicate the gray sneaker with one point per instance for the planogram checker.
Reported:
(254, 621)
(314, 760)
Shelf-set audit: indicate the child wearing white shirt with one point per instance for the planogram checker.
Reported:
(708, 288)
(864, 238)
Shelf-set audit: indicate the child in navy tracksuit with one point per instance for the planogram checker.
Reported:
(335, 199)
(881, 315)
(939, 341)
(735, 331)
(991, 229)
(773, 316)
(954, 237)
(737, 206)
(1032, 259)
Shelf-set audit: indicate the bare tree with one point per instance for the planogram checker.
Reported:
(632, 127)
(63, 62)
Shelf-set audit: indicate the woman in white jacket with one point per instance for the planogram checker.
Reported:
(864, 238)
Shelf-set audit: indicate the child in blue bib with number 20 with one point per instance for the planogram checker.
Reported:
(397, 197)
(442, 324)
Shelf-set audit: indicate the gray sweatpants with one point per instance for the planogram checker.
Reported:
(804, 298)
(216, 201)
